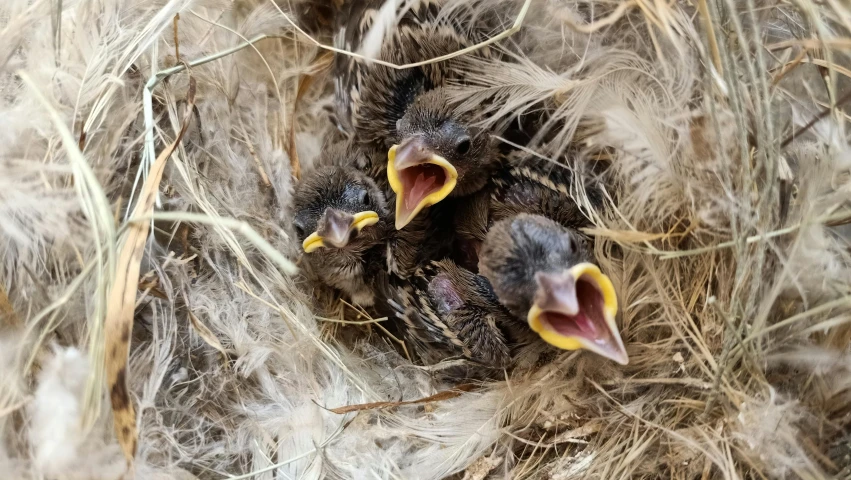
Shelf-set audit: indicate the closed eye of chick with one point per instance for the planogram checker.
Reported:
(341, 219)
(544, 273)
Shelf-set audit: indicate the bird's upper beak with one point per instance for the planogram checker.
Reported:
(576, 309)
(419, 177)
(337, 228)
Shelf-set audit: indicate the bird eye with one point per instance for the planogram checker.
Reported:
(299, 229)
(398, 124)
(463, 146)
(364, 198)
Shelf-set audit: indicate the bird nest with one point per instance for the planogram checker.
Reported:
(156, 323)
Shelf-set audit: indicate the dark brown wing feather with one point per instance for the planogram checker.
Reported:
(370, 98)
(448, 313)
(524, 185)
(539, 187)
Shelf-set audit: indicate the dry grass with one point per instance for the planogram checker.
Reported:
(723, 127)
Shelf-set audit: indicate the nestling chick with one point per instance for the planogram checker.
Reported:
(438, 154)
(370, 98)
(434, 152)
(342, 220)
(449, 313)
(544, 273)
(524, 185)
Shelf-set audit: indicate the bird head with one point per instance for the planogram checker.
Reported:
(437, 154)
(544, 273)
(338, 208)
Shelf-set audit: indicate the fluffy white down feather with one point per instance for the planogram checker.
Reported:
(635, 89)
(62, 445)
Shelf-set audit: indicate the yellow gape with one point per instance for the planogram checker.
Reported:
(359, 221)
(404, 215)
(610, 346)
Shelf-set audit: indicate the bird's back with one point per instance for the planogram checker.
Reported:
(524, 184)
(370, 98)
(452, 321)
(540, 187)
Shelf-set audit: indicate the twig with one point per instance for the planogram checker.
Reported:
(8, 317)
(439, 366)
(56, 26)
(788, 67)
(710, 33)
(264, 178)
(351, 322)
(206, 334)
(811, 43)
(176, 41)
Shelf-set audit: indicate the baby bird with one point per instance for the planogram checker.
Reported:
(433, 150)
(449, 313)
(342, 220)
(543, 272)
(370, 98)
(437, 154)
(524, 185)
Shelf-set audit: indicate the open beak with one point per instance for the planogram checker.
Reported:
(576, 309)
(337, 229)
(419, 177)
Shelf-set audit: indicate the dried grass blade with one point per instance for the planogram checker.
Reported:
(626, 236)
(8, 317)
(572, 435)
(710, 35)
(207, 335)
(122, 297)
(437, 397)
(518, 22)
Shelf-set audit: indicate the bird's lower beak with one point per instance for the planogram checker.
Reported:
(365, 219)
(576, 309)
(419, 177)
(336, 229)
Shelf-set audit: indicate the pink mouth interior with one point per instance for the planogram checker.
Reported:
(420, 181)
(589, 322)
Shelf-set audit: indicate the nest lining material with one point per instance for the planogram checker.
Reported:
(724, 241)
